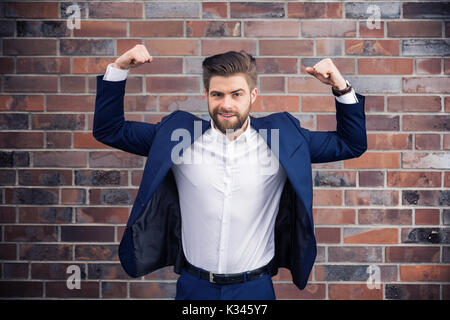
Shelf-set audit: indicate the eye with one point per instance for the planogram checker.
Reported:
(237, 94)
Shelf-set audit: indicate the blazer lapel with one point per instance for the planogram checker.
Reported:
(270, 128)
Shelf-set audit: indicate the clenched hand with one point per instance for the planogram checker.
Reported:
(133, 58)
(326, 72)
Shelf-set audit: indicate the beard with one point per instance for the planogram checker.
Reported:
(231, 125)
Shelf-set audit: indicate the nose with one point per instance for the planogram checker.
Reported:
(227, 102)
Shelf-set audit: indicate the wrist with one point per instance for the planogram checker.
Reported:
(340, 92)
(341, 85)
(115, 65)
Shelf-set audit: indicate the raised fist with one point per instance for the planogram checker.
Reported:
(133, 58)
(326, 72)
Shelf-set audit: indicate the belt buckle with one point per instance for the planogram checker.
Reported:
(211, 277)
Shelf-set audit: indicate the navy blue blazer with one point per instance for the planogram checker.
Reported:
(152, 238)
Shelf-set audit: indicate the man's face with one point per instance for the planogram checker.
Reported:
(229, 101)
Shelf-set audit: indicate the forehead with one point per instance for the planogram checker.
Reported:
(225, 84)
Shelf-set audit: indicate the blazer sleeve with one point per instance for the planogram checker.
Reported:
(349, 140)
(110, 126)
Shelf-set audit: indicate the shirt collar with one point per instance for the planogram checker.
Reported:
(217, 134)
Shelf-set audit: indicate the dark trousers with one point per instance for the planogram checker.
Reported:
(192, 287)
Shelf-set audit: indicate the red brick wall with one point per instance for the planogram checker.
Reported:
(65, 197)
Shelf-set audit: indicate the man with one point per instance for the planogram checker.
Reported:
(226, 225)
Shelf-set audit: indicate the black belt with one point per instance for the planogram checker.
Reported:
(226, 278)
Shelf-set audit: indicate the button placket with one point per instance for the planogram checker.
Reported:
(224, 235)
(225, 227)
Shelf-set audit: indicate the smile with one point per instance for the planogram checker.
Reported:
(226, 116)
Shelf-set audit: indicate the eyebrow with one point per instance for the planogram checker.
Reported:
(240, 89)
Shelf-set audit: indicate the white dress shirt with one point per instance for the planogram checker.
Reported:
(229, 193)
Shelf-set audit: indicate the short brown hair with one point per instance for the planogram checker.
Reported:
(229, 63)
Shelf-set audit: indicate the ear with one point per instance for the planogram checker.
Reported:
(206, 94)
(254, 94)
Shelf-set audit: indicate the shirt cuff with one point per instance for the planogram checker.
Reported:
(348, 98)
(115, 74)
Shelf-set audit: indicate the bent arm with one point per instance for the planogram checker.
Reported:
(348, 141)
(110, 126)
